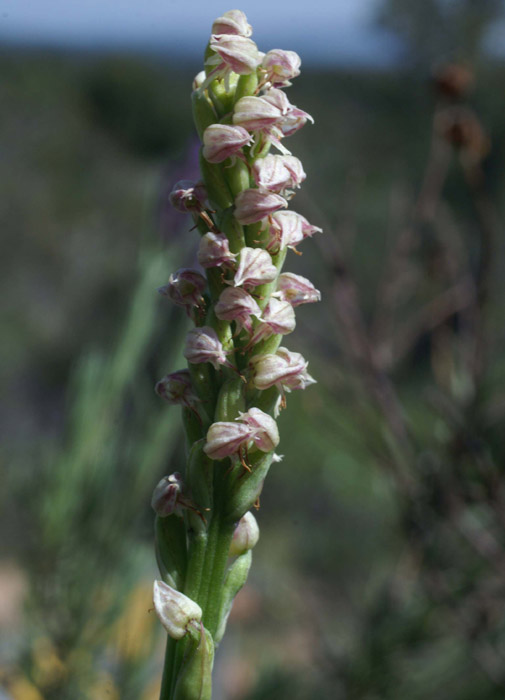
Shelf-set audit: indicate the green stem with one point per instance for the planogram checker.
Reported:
(216, 572)
(168, 670)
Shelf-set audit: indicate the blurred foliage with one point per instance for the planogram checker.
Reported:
(441, 30)
(338, 604)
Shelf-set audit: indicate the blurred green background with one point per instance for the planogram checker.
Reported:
(380, 568)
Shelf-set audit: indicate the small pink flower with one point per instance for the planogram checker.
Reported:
(214, 250)
(295, 380)
(266, 436)
(255, 267)
(253, 205)
(188, 196)
(288, 229)
(293, 118)
(255, 114)
(203, 345)
(235, 304)
(278, 318)
(285, 230)
(185, 288)
(296, 289)
(228, 439)
(284, 369)
(176, 388)
(232, 22)
(281, 66)
(233, 53)
(225, 439)
(278, 173)
(222, 141)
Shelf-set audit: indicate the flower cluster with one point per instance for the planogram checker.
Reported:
(240, 301)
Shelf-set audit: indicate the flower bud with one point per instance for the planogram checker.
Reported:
(222, 141)
(255, 267)
(203, 345)
(296, 289)
(165, 496)
(177, 612)
(246, 535)
(232, 22)
(188, 196)
(278, 173)
(176, 388)
(236, 53)
(185, 288)
(235, 304)
(266, 436)
(280, 66)
(214, 250)
(252, 205)
(199, 80)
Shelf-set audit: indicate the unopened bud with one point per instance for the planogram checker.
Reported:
(166, 495)
(246, 535)
(177, 612)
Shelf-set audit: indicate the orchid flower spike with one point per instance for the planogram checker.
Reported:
(241, 304)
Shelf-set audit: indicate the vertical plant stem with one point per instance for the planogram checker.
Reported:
(168, 669)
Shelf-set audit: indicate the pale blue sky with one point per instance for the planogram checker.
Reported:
(320, 30)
